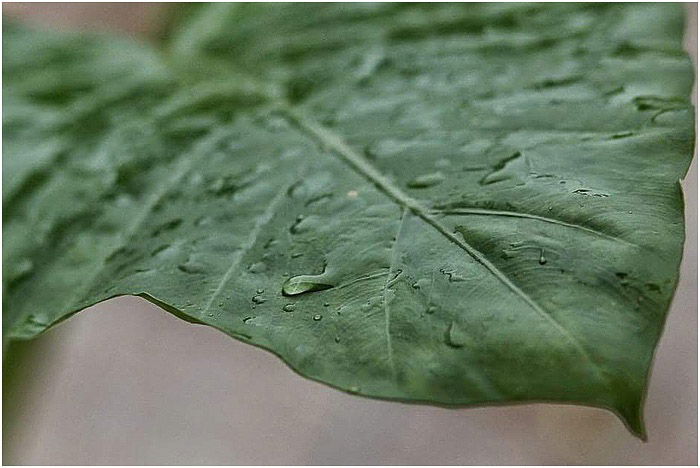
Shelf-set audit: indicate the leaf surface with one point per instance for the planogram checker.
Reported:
(452, 204)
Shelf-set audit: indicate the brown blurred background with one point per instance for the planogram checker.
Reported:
(127, 383)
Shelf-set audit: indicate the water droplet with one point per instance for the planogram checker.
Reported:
(318, 317)
(297, 254)
(621, 135)
(512, 167)
(169, 226)
(305, 224)
(203, 221)
(337, 339)
(20, 269)
(258, 267)
(326, 304)
(323, 197)
(247, 319)
(191, 267)
(370, 64)
(542, 260)
(455, 337)
(304, 283)
(452, 275)
(258, 299)
(34, 324)
(260, 290)
(224, 186)
(507, 253)
(294, 229)
(590, 193)
(431, 310)
(159, 249)
(289, 307)
(426, 180)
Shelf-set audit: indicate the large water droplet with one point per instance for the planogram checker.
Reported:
(513, 167)
(191, 267)
(258, 267)
(289, 307)
(426, 180)
(455, 337)
(304, 283)
(318, 317)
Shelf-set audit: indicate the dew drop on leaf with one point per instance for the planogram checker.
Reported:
(426, 180)
(454, 337)
(304, 283)
(259, 267)
(191, 267)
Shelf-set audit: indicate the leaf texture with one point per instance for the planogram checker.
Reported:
(456, 204)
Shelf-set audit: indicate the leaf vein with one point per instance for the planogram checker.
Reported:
(250, 242)
(516, 214)
(387, 284)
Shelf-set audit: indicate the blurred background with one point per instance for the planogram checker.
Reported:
(126, 383)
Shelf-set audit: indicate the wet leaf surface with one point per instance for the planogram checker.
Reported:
(452, 204)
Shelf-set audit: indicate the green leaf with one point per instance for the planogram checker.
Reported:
(455, 204)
